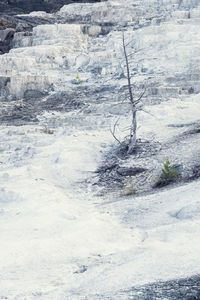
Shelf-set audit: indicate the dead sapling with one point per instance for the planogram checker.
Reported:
(135, 105)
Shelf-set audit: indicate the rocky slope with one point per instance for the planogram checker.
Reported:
(9, 21)
(62, 87)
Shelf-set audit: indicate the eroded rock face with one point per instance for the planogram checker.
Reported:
(6, 37)
(8, 18)
(24, 6)
(22, 27)
(87, 39)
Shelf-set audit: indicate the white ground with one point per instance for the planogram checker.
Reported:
(58, 242)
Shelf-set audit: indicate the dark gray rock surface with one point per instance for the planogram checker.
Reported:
(6, 37)
(25, 6)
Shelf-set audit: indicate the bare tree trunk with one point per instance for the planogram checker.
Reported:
(128, 71)
(132, 142)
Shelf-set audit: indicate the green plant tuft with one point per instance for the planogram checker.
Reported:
(168, 174)
(78, 78)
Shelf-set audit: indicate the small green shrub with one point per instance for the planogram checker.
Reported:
(168, 174)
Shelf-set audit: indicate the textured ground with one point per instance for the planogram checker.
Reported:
(68, 228)
(187, 289)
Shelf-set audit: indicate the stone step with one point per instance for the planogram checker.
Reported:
(22, 39)
(195, 21)
(24, 81)
(181, 14)
(195, 13)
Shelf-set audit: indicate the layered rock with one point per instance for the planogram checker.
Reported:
(164, 56)
(10, 8)
(22, 26)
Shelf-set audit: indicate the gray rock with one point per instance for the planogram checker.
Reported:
(6, 37)
(11, 26)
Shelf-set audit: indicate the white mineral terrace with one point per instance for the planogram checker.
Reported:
(59, 238)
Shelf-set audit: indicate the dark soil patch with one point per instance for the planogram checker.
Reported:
(142, 170)
(62, 101)
(113, 175)
(125, 171)
(18, 114)
(180, 289)
(35, 103)
(195, 173)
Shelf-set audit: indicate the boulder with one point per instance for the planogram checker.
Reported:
(6, 37)
(9, 25)
(6, 34)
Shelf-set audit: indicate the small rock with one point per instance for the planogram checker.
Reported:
(94, 31)
(81, 269)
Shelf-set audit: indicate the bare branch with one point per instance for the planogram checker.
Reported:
(135, 52)
(126, 128)
(128, 71)
(147, 112)
(113, 134)
(131, 76)
(113, 131)
(140, 97)
(128, 43)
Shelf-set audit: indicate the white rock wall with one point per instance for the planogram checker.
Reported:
(168, 58)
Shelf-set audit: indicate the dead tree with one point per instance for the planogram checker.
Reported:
(134, 102)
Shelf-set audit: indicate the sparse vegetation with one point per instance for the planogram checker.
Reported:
(129, 188)
(78, 78)
(168, 174)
